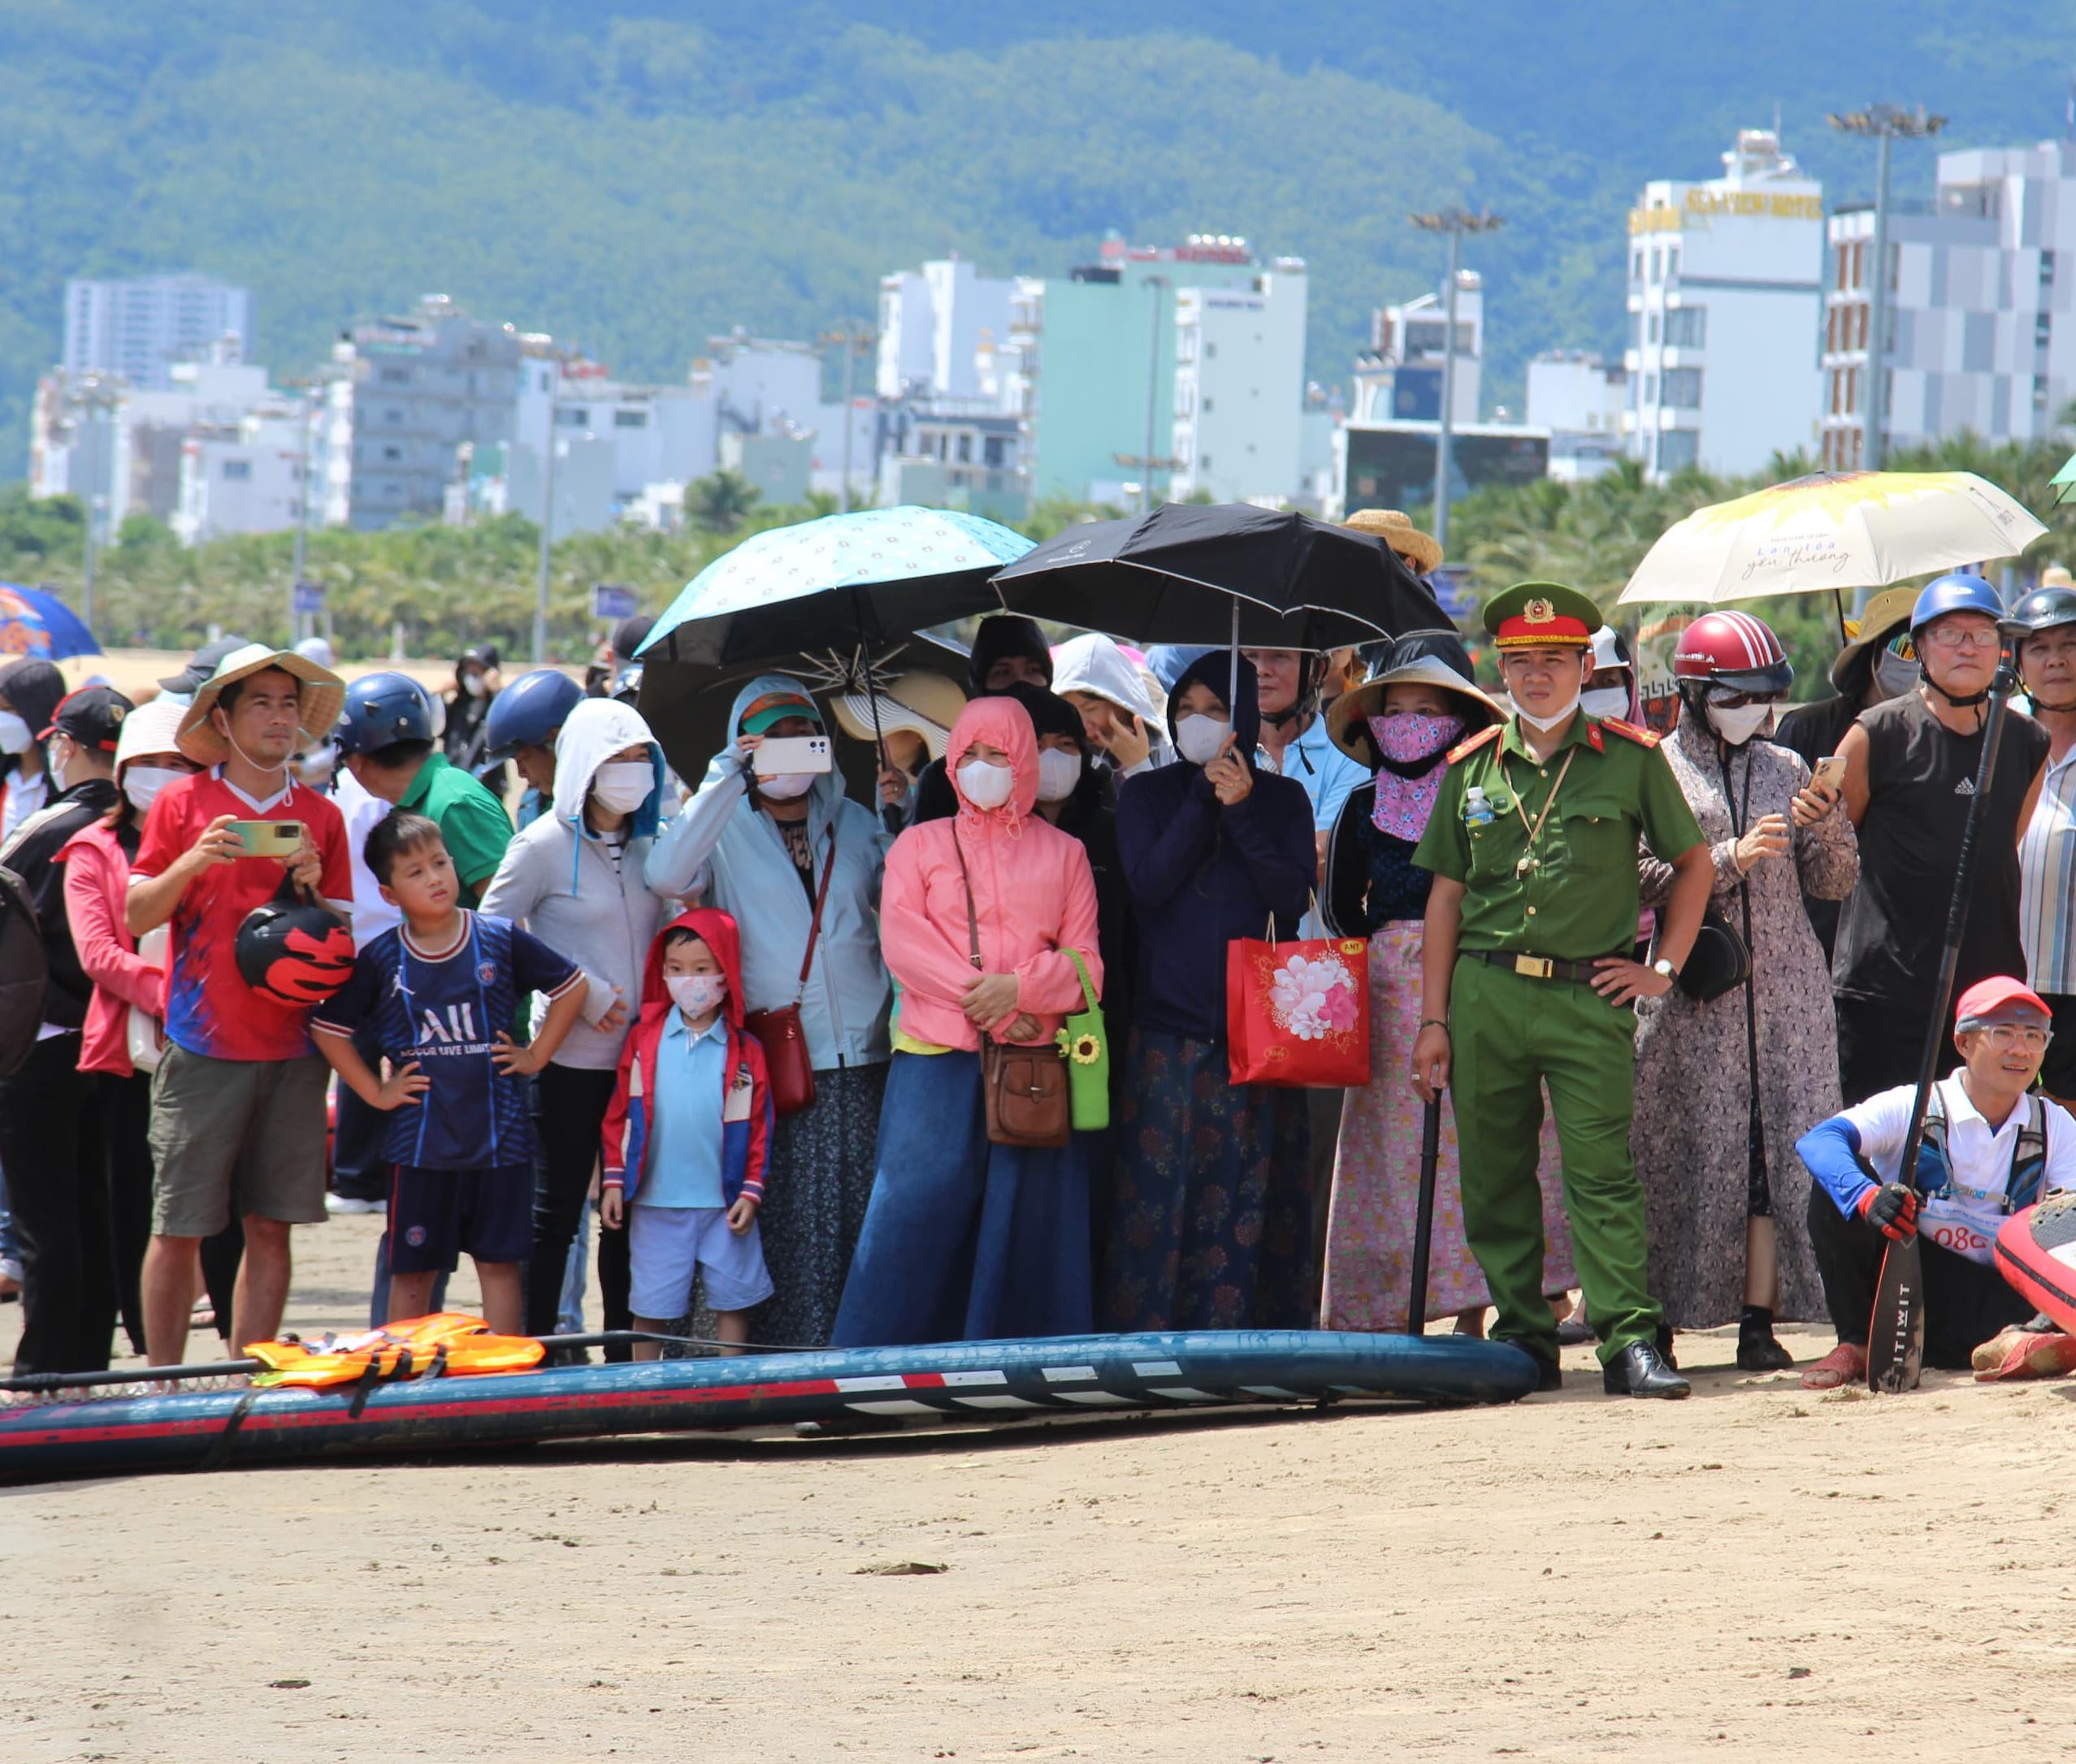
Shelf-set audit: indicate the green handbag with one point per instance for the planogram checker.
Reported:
(1086, 1044)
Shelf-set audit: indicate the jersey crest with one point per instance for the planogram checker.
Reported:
(1644, 738)
(1470, 745)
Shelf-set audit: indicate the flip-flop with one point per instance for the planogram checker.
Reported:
(2015, 1353)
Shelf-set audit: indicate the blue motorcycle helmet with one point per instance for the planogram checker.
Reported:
(383, 709)
(529, 713)
(1960, 590)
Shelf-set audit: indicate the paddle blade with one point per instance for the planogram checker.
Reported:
(1896, 1337)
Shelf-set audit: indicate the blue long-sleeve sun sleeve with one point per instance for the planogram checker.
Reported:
(1832, 1152)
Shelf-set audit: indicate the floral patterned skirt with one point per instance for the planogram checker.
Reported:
(1212, 1211)
(1376, 1175)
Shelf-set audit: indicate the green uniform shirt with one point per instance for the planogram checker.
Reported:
(470, 820)
(1578, 898)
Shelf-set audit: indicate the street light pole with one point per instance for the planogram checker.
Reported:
(1885, 122)
(547, 543)
(94, 505)
(303, 521)
(1156, 286)
(1454, 223)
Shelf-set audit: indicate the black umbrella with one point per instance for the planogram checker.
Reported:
(1268, 579)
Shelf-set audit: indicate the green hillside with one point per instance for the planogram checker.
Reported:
(633, 177)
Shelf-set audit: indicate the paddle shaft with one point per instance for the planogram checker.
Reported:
(1416, 1314)
(1897, 1333)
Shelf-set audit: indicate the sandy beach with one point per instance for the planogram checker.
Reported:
(1758, 1573)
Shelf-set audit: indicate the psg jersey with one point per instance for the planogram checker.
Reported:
(444, 1009)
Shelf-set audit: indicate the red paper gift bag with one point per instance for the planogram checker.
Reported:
(1298, 1012)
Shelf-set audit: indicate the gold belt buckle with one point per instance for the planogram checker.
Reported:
(1535, 967)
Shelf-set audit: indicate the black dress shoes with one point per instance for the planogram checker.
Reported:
(1640, 1369)
(1549, 1376)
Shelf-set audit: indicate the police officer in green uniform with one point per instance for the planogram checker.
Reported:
(1528, 978)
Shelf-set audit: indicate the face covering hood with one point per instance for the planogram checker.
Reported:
(594, 732)
(1214, 668)
(1004, 633)
(1093, 663)
(827, 789)
(1003, 723)
(719, 932)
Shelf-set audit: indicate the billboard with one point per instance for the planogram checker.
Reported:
(1389, 467)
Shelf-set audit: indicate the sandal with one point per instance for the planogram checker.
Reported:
(1844, 1365)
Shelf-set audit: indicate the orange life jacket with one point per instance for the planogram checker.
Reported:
(448, 1344)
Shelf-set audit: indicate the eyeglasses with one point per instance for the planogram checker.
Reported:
(1949, 637)
(2004, 1037)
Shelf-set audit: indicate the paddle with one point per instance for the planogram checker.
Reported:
(1896, 1335)
(1416, 1315)
(38, 1383)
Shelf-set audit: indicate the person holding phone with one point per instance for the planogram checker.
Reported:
(1726, 1085)
(238, 1111)
(798, 866)
(1121, 722)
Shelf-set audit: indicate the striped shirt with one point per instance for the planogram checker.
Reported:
(2047, 882)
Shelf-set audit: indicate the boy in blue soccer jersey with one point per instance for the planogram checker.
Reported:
(436, 989)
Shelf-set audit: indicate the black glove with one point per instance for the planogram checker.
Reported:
(1893, 1207)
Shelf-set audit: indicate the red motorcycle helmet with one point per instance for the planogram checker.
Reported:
(1736, 652)
(295, 952)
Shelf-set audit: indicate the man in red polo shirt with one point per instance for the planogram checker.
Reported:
(237, 1108)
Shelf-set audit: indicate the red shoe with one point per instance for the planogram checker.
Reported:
(1844, 1365)
(2015, 1353)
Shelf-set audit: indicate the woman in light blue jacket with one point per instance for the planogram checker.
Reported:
(761, 849)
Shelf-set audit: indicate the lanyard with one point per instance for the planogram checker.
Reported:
(1528, 860)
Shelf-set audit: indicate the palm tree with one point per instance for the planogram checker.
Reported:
(720, 502)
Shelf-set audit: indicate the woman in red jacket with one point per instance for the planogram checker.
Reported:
(980, 917)
(127, 986)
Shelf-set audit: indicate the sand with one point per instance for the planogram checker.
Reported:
(1760, 1573)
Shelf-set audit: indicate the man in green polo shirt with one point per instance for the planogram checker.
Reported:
(1528, 980)
(385, 737)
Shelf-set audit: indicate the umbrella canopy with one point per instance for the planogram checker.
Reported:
(33, 622)
(1832, 531)
(2063, 483)
(868, 578)
(1269, 578)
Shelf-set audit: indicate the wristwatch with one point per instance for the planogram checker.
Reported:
(1662, 966)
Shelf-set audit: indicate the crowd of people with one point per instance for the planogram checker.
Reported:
(748, 1036)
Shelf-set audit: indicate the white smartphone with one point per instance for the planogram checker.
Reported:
(791, 753)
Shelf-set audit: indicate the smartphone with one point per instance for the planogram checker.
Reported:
(1831, 771)
(269, 838)
(791, 753)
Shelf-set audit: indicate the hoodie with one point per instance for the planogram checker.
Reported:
(1092, 663)
(565, 885)
(1032, 896)
(746, 1111)
(1201, 874)
(723, 849)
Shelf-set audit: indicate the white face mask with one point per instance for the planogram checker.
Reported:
(1894, 676)
(1604, 701)
(15, 735)
(1738, 725)
(1556, 719)
(695, 995)
(623, 786)
(783, 787)
(1059, 774)
(986, 785)
(58, 764)
(472, 684)
(1198, 738)
(142, 783)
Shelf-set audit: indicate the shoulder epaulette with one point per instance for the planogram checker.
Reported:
(1465, 748)
(1644, 738)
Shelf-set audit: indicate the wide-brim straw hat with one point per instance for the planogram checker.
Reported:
(1396, 528)
(323, 696)
(1347, 717)
(1887, 610)
(924, 702)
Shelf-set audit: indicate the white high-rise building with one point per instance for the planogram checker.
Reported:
(1976, 288)
(1398, 378)
(139, 326)
(1725, 305)
(1580, 400)
(1240, 387)
(935, 326)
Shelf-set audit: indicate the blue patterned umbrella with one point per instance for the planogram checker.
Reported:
(845, 583)
(33, 622)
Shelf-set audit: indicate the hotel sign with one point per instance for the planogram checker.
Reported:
(1747, 203)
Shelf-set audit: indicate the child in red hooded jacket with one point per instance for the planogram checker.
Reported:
(688, 1133)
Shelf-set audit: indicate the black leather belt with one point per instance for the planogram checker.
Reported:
(1535, 967)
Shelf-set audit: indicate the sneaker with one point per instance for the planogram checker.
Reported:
(1844, 1365)
(349, 1203)
(2020, 1352)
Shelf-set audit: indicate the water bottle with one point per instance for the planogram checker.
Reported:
(1477, 810)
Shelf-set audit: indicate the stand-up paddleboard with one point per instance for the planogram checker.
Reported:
(998, 1380)
(2036, 1253)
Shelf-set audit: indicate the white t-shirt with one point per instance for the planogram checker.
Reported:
(1965, 1219)
(362, 810)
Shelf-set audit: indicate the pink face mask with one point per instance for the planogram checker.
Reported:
(1412, 735)
(1404, 804)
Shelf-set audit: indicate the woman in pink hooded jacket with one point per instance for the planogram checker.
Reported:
(965, 1239)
